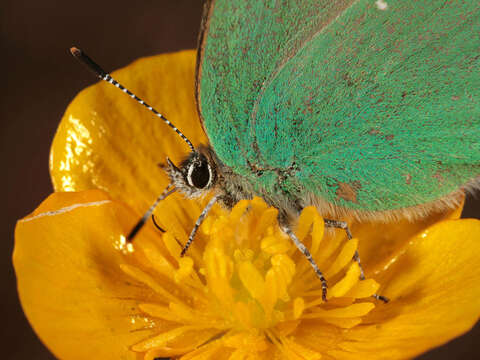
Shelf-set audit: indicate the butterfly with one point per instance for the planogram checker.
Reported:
(366, 109)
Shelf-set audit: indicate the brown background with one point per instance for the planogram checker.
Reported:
(39, 78)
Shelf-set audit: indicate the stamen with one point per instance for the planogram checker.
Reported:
(246, 280)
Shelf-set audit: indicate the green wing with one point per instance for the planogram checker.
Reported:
(367, 107)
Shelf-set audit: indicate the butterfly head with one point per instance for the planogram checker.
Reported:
(195, 175)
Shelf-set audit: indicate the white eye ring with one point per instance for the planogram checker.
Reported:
(190, 172)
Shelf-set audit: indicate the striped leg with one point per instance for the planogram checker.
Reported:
(197, 224)
(343, 225)
(309, 257)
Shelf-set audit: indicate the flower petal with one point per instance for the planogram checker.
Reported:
(78, 300)
(108, 141)
(380, 242)
(434, 287)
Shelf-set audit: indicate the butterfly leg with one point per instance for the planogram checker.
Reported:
(309, 257)
(343, 225)
(197, 224)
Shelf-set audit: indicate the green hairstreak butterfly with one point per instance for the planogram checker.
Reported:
(363, 108)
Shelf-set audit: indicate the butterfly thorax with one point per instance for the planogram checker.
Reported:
(202, 172)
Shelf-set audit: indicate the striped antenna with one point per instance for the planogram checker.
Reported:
(102, 74)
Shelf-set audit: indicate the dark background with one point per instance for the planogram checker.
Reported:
(38, 80)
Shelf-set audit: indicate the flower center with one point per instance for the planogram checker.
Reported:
(244, 283)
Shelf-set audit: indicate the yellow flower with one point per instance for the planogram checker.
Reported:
(242, 291)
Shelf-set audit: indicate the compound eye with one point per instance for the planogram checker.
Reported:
(199, 175)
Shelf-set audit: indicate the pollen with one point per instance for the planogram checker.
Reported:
(244, 287)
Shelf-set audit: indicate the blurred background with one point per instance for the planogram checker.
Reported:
(39, 79)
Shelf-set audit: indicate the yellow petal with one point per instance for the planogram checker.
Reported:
(382, 241)
(434, 287)
(72, 290)
(108, 141)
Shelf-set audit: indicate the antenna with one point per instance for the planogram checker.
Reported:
(102, 74)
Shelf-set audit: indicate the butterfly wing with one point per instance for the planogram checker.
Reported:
(369, 105)
(241, 44)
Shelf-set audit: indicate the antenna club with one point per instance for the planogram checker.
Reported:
(91, 65)
(75, 51)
